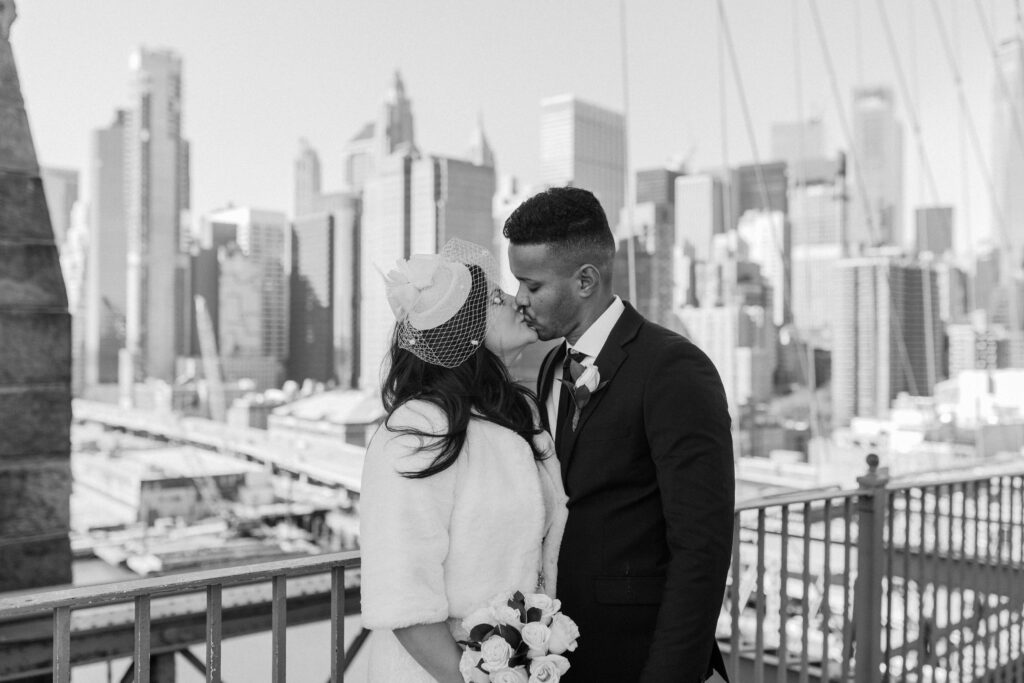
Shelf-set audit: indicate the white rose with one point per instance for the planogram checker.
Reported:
(548, 669)
(516, 675)
(495, 652)
(469, 670)
(535, 635)
(589, 378)
(564, 633)
(508, 615)
(481, 615)
(498, 601)
(547, 606)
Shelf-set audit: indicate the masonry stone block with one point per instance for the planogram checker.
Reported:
(34, 348)
(23, 210)
(35, 564)
(30, 276)
(45, 489)
(36, 419)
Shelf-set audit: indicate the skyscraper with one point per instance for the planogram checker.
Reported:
(159, 302)
(584, 145)
(480, 152)
(61, 187)
(878, 150)
(1008, 153)
(106, 284)
(796, 141)
(312, 299)
(816, 228)
(933, 229)
(307, 179)
(699, 212)
(888, 335)
(759, 187)
(254, 245)
(767, 236)
(394, 129)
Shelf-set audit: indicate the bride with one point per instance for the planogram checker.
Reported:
(461, 492)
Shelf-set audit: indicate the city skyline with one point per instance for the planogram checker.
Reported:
(245, 131)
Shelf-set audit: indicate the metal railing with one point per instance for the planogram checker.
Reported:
(141, 593)
(892, 581)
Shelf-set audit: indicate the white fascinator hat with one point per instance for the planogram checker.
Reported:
(440, 301)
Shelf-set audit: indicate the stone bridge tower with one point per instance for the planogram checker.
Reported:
(35, 357)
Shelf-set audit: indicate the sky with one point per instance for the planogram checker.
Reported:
(260, 75)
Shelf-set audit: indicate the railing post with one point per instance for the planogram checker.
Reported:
(867, 595)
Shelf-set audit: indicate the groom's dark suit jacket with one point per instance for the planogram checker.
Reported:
(649, 474)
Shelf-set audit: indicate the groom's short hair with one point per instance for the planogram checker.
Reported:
(569, 219)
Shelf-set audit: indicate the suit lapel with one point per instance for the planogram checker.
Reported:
(545, 379)
(608, 362)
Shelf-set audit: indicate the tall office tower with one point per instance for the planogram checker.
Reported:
(311, 335)
(699, 212)
(584, 145)
(480, 152)
(347, 208)
(767, 236)
(394, 128)
(657, 185)
(307, 179)
(261, 237)
(450, 198)
(987, 276)
(735, 338)
(61, 187)
(796, 141)
(1008, 154)
(754, 184)
(358, 157)
(654, 262)
(106, 284)
(815, 211)
(878, 149)
(507, 198)
(933, 229)
(74, 256)
(414, 206)
(386, 227)
(954, 291)
(977, 345)
(159, 303)
(886, 339)
(35, 358)
(733, 326)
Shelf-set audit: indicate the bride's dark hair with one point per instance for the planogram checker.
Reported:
(479, 387)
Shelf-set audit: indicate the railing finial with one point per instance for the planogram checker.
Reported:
(876, 476)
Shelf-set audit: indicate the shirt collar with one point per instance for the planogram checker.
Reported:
(592, 341)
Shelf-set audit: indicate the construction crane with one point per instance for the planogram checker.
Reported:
(211, 361)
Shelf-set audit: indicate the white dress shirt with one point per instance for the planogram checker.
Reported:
(589, 344)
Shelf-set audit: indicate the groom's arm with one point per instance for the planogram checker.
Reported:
(688, 430)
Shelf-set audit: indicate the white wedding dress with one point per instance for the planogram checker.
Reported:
(435, 549)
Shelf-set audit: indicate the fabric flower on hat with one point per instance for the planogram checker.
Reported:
(405, 284)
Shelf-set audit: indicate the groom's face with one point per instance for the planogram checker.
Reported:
(548, 289)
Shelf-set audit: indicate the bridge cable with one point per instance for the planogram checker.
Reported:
(859, 179)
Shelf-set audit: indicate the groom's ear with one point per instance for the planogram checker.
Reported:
(590, 280)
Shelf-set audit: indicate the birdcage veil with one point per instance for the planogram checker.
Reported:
(441, 302)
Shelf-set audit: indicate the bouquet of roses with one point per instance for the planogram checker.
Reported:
(517, 638)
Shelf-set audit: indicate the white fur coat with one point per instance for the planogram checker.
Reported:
(437, 548)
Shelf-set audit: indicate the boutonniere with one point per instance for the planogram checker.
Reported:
(588, 382)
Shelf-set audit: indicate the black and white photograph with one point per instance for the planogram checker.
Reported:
(480, 341)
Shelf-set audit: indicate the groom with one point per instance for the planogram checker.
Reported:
(645, 451)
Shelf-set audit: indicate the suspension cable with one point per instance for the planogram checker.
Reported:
(901, 343)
